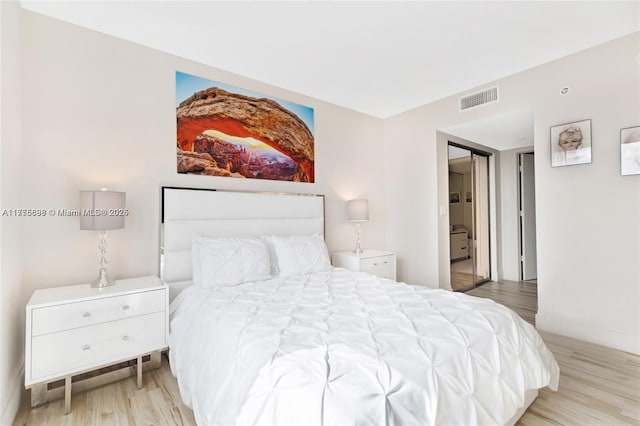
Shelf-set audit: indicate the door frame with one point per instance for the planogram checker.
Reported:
(490, 202)
(520, 216)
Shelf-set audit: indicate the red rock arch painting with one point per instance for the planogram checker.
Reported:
(226, 131)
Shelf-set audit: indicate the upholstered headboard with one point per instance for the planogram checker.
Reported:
(215, 213)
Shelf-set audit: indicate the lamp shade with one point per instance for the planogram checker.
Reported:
(358, 210)
(102, 210)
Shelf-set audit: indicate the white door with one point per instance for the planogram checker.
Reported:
(528, 260)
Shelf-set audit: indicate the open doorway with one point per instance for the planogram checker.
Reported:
(469, 242)
(505, 135)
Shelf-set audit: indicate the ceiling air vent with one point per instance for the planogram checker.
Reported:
(474, 100)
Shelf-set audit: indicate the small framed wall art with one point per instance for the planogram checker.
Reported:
(454, 197)
(630, 151)
(571, 143)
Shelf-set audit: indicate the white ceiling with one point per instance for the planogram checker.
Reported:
(380, 58)
(509, 130)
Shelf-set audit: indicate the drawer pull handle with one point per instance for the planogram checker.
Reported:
(126, 307)
(86, 314)
(125, 337)
(375, 264)
(86, 347)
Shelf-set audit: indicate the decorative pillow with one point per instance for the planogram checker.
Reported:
(229, 261)
(301, 254)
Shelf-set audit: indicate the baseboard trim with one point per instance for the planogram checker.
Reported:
(589, 332)
(11, 404)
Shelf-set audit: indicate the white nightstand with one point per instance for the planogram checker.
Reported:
(458, 245)
(376, 262)
(75, 329)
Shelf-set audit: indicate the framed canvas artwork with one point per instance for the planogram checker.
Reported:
(227, 131)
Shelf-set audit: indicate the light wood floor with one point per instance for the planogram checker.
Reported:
(461, 280)
(158, 403)
(462, 276)
(521, 297)
(598, 385)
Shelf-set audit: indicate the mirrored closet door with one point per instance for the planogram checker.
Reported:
(469, 248)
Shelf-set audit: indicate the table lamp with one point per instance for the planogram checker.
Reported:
(358, 212)
(101, 211)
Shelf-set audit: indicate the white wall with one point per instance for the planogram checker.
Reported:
(98, 111)
(101, 112)
(412, 207)
(588, 275)
(11, 291)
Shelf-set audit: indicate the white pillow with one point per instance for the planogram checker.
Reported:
(301, 254)
(228, 261)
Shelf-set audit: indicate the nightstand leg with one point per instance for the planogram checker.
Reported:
(139, 372)
(67, 395)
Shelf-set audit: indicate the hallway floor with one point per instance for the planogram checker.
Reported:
(521, 297)
(462, 275)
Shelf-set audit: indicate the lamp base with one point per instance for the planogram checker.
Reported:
(103, 279)
(358, 249)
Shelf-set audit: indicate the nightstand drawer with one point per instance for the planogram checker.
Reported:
(459, 238)
(56, 354)
(68, 316)
(381, 266)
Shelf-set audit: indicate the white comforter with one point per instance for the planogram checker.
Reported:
(345, 348)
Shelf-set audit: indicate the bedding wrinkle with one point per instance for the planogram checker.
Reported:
(384, 372)
(344, 348)
(324, 391)
(328, 378)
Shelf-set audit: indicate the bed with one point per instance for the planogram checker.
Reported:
(263, 331)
